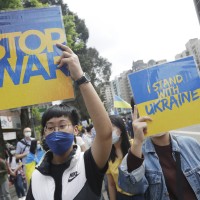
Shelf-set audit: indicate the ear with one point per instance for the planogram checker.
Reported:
(76, 130)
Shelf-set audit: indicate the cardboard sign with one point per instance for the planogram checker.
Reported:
(28, 55)
(169, 93)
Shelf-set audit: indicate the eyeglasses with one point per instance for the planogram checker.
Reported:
(63, 127)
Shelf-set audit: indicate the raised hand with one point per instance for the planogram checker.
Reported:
(140, 129)
(71, 61)
(139, 125)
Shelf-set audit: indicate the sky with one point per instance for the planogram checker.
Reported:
(131, 30)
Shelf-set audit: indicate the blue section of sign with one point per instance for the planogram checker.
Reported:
(29, 29)
(166, 79)
(19, 21)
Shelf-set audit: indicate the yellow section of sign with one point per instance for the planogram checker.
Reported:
(185, 109)
(36, 91)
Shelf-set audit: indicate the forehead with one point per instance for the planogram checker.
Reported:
(57, 120)
(27, 129)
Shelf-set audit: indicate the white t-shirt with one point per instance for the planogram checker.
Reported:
(13, 164)
(87, 138)
(79, 141)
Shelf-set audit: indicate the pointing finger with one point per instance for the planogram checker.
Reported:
(64, 48)
(135, 113)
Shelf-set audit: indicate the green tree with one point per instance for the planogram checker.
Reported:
(73, 39)
(32, 3)
(64, 6)
(10, 4)
(36, 121)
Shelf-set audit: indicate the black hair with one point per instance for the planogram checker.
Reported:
(44, 145)
(83, 130)
(75, 140)
(125, 144)
(89, 128)
(59, 111)
(132, 103)
(9, 155)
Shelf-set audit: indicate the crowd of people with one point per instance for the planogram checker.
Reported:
(18, 165)
(71, 164)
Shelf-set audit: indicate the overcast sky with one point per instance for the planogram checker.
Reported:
(130, 30)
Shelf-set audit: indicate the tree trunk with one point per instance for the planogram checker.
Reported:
(25, 121)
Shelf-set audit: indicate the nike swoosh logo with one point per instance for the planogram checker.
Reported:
(73, 177)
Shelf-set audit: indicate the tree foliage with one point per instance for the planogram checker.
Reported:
(73, 39)
(64, 6)
(10, 4)
(32, 3)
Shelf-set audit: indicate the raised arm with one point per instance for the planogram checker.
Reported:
(18, 154)
(102, 144)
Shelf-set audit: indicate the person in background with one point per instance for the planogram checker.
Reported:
(129, 127)
(4, 185)
(93, 133)
(163, 166)
(129, 120)
(87, 136)
(23, 146)
(82, 132)
(120, 148)
(17, 174)
(65, 172)
(79, 141)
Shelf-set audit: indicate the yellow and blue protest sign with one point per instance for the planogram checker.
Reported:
(169, 93)
(28, 55)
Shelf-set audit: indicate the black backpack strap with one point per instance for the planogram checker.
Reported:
(24, 143)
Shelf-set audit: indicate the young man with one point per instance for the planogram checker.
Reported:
(163, 166)
(67, 173)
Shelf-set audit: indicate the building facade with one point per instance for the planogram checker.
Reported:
(197, 7)
(192, 48)
(107, 94)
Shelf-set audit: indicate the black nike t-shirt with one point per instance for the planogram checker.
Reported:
(94, 176)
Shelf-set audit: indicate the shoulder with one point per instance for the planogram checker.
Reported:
(187, 143)
(20, 143)
(185, 139)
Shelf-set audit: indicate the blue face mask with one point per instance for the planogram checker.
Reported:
(59, 142)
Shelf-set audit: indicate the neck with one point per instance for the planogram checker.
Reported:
(163, 140)
(60, 159)
(27, 138)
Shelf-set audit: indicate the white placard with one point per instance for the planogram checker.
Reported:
(9, 135)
